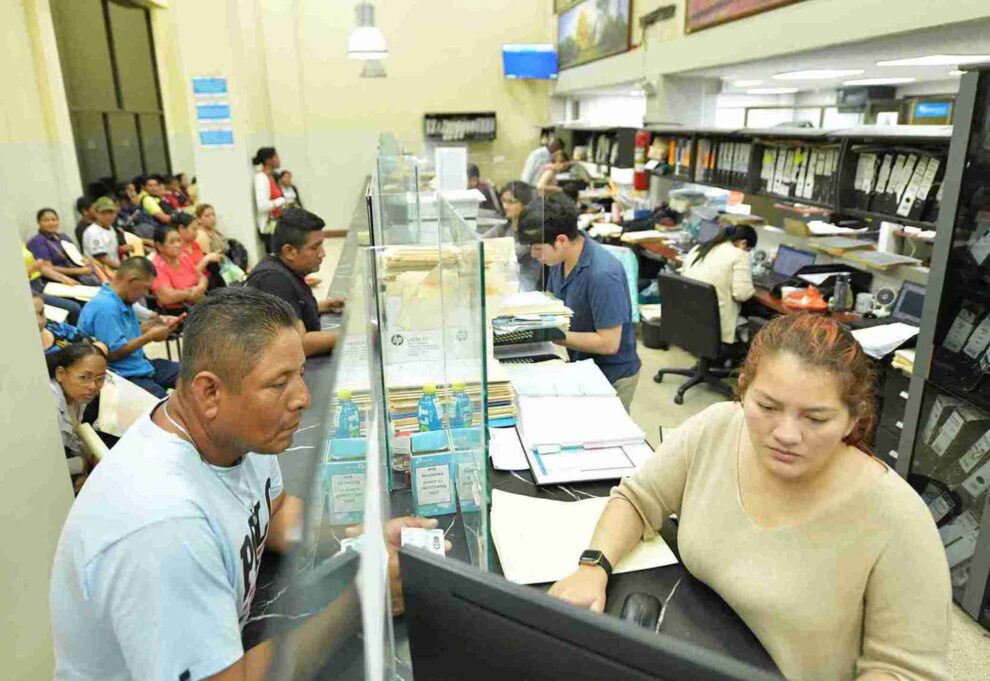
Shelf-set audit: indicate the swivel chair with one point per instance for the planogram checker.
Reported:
(689, 315)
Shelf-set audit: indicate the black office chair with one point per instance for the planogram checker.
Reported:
(689, 316)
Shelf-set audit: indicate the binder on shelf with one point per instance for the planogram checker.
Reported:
(928, 181)
(883, 178)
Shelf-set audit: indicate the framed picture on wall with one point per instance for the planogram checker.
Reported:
(592, 30)
(563, 5)
(707, 13)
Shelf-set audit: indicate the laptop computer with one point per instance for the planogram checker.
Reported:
(907, 308)
(788, 261)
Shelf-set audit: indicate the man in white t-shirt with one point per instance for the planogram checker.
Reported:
(537, 160)
(99, 241)
(158, 561)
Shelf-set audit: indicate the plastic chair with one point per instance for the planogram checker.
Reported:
(691, 322)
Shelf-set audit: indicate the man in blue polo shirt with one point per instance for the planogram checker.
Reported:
(109, 317)
(593, 284)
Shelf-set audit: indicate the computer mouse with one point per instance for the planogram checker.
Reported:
(642, 609)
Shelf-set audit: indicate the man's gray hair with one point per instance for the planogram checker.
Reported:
(229, 330)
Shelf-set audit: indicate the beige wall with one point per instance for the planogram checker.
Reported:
(794, 28)
(38, 165)
(295, 88)
(38, 494)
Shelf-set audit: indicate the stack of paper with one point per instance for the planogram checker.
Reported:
(904, 360)
(531, 303)
(839, 245)
(879, 341)
(575, 379)
(539, 540)
(404, 383)
(589, 422)
(644, 236)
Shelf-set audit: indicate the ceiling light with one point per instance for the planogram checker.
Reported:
(772, 91)
(818, 74)
(937, 60)
(879, 81)
(746, 83)
(956, 73)
(366, 41)
(373, 68)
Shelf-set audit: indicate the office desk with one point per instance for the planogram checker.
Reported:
(771, 302)
(695, 614)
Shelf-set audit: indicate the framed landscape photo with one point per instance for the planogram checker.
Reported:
(592, 30)
(707, 13)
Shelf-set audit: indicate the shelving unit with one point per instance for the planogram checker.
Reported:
(608, 147)
(460, 127)
(945, 443)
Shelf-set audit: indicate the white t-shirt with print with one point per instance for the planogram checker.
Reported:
(158, 561)
(100, 241)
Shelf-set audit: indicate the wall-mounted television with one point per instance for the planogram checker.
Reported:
(529, 62)
(932, 109)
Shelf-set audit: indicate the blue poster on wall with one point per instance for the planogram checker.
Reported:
(213, 115)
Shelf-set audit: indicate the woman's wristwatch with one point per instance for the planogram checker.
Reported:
(593, 558)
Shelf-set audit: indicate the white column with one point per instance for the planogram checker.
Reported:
(682, 100)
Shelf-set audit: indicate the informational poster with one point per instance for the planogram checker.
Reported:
(707, 13)
(212, 102)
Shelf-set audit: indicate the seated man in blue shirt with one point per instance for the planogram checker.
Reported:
(109, 317)
(593, 284)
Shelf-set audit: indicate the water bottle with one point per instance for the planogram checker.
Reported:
(843, 293)
(461, 409)
(348, 416)
(428, 410)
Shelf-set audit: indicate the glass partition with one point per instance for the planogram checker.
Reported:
(431, 322)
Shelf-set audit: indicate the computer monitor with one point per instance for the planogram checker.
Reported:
(789, 260)
(470, 625)
(708, 230)
(529, 62)
(909, 304)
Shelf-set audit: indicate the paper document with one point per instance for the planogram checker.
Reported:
(134, 241)
(525, 350)
(818, 278)
(72, 253)
(879, 341)
(539, 540)
(821, 228)
(80, 292)
(55, 314)
(562, 380)
(506, 450)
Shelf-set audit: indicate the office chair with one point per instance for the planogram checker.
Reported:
(689, 314)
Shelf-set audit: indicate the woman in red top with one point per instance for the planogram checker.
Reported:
(187, 227)
(178, 281)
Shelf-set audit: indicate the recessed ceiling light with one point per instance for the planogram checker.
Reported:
(956, 73)
(879, 81)
(818, 74)
(746, 83)
(937, 60)
(772, 91)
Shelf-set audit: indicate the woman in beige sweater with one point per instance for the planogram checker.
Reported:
(723, 262)
(828, 556)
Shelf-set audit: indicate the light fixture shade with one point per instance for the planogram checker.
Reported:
(372, 68)
(366, 42)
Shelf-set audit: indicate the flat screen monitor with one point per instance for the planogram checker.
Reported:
(910, 302)
(789, 260)
(708, 230)
(529, 62)
(471, 625)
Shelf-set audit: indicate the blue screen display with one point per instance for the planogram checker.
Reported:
(534, 62)
(932, 109)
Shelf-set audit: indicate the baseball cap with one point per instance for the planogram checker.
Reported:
(104, 204)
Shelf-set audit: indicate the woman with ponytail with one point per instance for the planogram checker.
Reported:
(723, 262)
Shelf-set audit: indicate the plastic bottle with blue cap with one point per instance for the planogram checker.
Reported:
(461, 409)
(348, 416)
(428, 410)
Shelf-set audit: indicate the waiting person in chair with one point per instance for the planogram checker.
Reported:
(724, 263)
(826, 554)
(297, 250)
(110, 318)
(592, 283)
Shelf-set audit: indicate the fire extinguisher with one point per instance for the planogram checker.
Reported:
(641, 178)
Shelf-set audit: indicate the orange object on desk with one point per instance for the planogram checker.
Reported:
(809, 299)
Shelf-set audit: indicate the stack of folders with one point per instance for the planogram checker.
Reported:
(722, 161)
(905, 183)
(806, 172)
(904, 360)
(570, 439)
